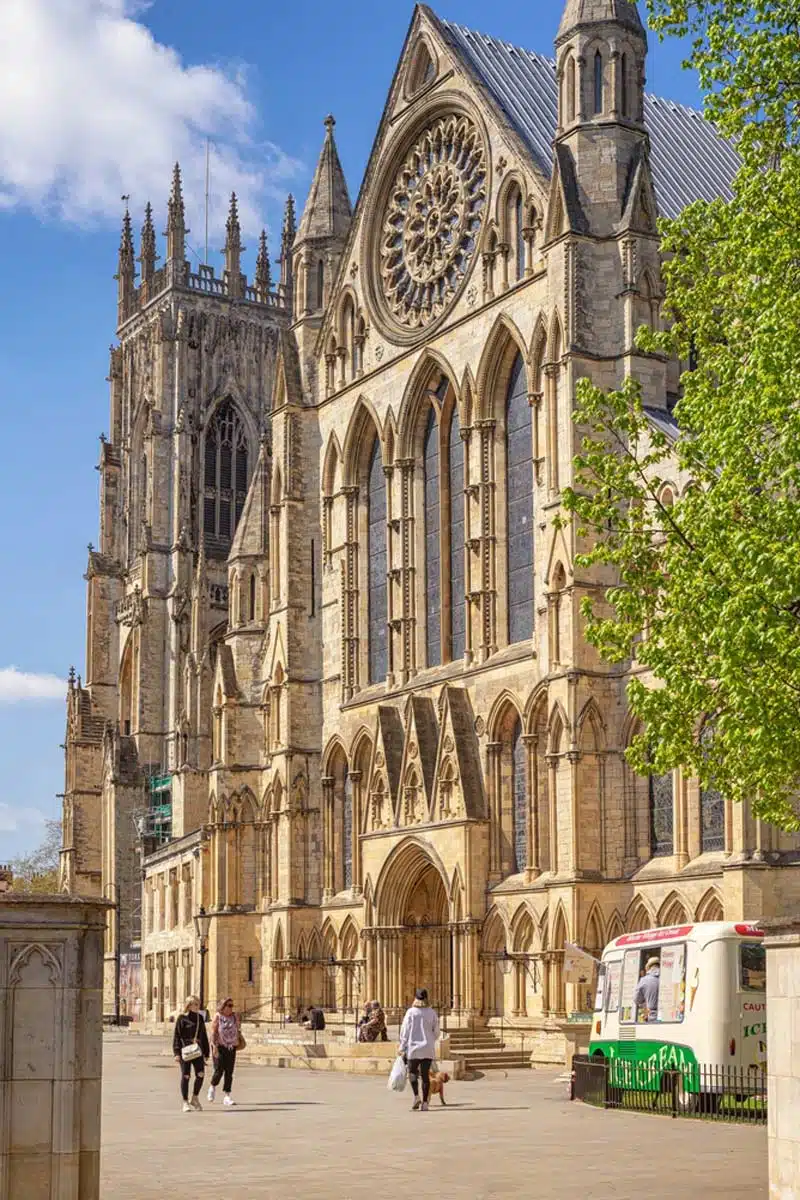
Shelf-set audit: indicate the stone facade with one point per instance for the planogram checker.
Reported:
(783, 1055)
(356, 710)
(51, 979)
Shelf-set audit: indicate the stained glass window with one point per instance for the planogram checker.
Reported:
(376, 567)
(519, 512)
(661, 814)
(225, 477)
(712, 805)
(520, 799)
(433, 554)
(456, 464)
(712, 819)
(347, 831)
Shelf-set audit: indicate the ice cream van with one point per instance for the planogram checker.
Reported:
(711, 1008)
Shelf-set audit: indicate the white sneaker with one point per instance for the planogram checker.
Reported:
(196, 1105)
(187, 1106)
(227, 1101)
(212, 1091)
(424, 1106)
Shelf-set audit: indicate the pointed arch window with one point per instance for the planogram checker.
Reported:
(519, 224)
(598, 82)
(347, 831)
(712, 805)
(623, 85)
(433, 532)
(570, 88)
(519, 798)
(456, 469)
(377, 613)
(224, 478)
(519, 505)
(320, 283)
(660, 792)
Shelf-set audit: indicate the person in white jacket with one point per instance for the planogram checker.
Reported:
(418, 1035)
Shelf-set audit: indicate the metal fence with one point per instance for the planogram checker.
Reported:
(716, 1093)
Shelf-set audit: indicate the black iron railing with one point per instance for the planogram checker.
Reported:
(717, 1093)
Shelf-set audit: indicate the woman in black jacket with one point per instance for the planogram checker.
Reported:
(190, 1030)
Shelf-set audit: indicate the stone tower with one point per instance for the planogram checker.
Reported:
(191, 384)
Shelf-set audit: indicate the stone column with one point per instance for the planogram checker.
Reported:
(783, 1055)
(51, 992)
(328, 783)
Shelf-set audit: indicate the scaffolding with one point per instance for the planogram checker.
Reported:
(158, 818)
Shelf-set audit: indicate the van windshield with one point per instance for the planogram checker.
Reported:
(752, 967)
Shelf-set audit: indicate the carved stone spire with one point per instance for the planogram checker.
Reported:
(263, 280)
(287, 242)
(148, 255)
(233, 251)
(176, 221)
(126, 269)
(327, 213)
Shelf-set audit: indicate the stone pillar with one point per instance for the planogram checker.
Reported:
(783, 1055)
(51, 1053)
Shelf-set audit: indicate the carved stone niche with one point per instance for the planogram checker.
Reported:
(51, 1047)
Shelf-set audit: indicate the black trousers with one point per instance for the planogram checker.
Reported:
(199, 1065)
(417, 1067)
(224, 1062)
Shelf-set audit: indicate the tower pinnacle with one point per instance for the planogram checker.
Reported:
(148, 255)
(176, 220)
(126, 268)
(263, 280)
(233, 250)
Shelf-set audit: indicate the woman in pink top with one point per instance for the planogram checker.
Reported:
(224, 1043)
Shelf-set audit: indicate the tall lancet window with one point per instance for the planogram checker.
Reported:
(347, 832)
(519, 505)
(433, 533)
(623, 85)
(598, 82)
(225, 478)
(520, 799)
(377, 613)
(456, 464)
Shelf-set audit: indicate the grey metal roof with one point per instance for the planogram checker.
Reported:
(689, 159)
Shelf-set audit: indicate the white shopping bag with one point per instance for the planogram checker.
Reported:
(398, 1075)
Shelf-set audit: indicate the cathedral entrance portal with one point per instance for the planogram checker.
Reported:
(412, 943)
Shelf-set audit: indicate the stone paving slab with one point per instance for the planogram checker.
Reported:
(298, 1136)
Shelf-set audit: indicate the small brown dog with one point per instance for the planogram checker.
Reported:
(438, 1080)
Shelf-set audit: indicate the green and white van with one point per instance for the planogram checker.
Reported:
(711, 1011)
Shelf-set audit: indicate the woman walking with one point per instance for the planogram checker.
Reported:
(225, 1037)
(191, 1049)
(418, 1036)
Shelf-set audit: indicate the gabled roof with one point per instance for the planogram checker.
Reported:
(689, 159)
(328, 211)
(252, 532)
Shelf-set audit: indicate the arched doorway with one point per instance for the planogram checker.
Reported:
(413, 939)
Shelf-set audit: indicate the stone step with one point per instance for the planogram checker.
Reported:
(499, 1062)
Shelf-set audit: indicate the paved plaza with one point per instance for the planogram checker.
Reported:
(296, 1135)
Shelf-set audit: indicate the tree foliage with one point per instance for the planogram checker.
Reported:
(38, 871)
(708, 598)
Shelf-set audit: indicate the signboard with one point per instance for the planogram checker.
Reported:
(671, 988)
(648, 936)
(579, 967)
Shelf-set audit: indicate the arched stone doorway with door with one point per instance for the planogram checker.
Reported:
(412, 943)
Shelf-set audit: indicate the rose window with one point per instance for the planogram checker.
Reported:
(432, 221)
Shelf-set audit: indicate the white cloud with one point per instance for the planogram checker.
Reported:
(93, 107)
(14, 819)
(16, 686)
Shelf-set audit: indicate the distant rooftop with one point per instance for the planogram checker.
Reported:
(689, 159)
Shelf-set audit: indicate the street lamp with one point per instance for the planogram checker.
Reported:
(202, 925)
(115, 886)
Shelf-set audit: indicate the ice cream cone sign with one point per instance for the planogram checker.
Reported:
(579, 966)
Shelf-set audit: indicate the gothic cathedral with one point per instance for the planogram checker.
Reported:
(337, 690)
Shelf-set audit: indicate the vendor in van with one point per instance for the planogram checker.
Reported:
(646, 995)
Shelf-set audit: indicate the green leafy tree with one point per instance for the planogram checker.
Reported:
(708, 592)
(38, 871)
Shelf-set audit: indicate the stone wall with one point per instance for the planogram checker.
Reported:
(783, 1055)
(51, 975)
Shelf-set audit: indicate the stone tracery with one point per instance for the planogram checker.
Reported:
(432, 220)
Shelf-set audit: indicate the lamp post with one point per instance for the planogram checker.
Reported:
(115, 886)
(202, 925)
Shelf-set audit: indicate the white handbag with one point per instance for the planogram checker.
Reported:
(193, 1050)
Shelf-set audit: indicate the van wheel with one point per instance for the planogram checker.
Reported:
(686, 1102)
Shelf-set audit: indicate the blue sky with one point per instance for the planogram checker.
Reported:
(97, 99)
